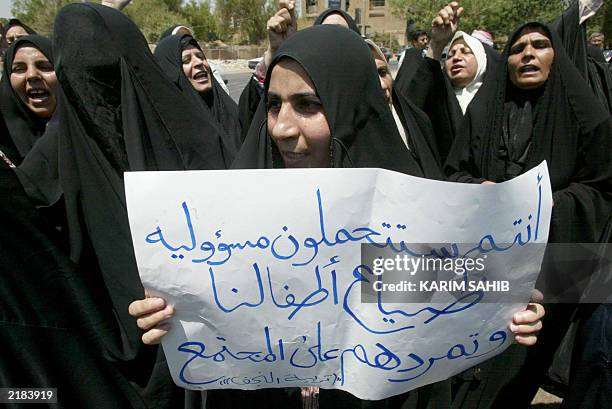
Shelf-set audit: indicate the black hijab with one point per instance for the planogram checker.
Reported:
(218, 103)
(23, 125)
(562, 123)
(349, 20)
(168, 32)
(363, 131)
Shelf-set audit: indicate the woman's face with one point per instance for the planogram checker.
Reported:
(530, 59)
(296, 121)
(14, 33)
(461, 64)
(386, 80)
(196, 69)
(33, 80)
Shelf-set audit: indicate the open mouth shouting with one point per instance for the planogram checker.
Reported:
(528, 70)
(38, 96)
(201, 77)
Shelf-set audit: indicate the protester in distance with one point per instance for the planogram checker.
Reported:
(185, 64)
(27, 93)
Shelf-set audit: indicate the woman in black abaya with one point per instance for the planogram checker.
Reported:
(183, 61)
(50, 324)
(544, 110)
(116, 112)
(314, 116)
(27, 92)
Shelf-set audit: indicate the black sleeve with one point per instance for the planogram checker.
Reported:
(247, 105)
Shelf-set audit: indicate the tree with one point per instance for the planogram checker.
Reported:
(153, 17)
(200, 19)
(39, 14)
(245, 19)
(499, 17)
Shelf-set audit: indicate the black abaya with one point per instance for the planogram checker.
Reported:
(116, 112)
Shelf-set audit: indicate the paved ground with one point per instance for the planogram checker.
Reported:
(236, 83)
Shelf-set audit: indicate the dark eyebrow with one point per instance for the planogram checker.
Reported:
(305, 95)
(542, 41)
(298, 95)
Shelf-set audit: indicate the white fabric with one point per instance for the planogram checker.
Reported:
(466, 94)
(400, 126)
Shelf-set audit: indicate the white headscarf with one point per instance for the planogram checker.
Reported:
(466, 94)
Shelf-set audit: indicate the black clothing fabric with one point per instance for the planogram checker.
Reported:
(218, 104)
(23, 125)
(421, 81)
(167, 32)
(49, 320)
(591, 378)
(349, 20)
(6, 143)
(420, 136)
(249, 100)
(588, 60)
(116, 112)
(363, 132)
(572, 131)
(600, 77)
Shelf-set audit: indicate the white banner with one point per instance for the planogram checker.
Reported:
(265, 271)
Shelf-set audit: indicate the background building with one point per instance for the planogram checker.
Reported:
(372, 16)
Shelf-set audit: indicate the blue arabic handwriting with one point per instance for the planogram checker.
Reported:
(301, 252)
(307, 356)
(392, 317)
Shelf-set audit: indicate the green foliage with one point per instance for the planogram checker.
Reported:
(174, 5)
(499, 17)
(153, 17)
(39, 14)
(243, 21)
(200, 19)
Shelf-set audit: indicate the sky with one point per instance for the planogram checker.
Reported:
(5, 8)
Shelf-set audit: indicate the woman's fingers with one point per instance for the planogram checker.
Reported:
(148, 321)
(526, 324)
(533, 313)
(154, 336)
(146, 306)
(526, 340)
(526, 329)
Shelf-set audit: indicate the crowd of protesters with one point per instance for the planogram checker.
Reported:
(80, 109)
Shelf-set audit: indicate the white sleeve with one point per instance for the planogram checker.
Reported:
(216, 71)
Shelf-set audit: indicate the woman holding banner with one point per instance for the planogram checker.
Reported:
(315, 117)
